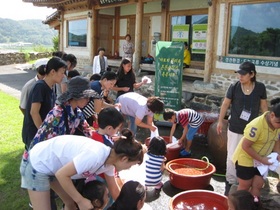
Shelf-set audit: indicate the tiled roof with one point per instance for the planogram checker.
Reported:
(53, 3)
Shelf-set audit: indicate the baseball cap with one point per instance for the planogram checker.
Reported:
(246, 68)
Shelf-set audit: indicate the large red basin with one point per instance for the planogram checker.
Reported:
(172, 152)
(193, 199)
(190, 182)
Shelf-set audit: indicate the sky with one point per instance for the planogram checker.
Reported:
(19, 10)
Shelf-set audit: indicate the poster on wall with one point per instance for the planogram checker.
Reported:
(180, 33)
(168, 76)
(199, 38)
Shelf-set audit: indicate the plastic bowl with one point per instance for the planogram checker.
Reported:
(173, 151)
(189, 181)
(198, 199)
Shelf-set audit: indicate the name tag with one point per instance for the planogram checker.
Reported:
(245, 115)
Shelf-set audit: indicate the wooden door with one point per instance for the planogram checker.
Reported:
(105, 34)
(145, 34)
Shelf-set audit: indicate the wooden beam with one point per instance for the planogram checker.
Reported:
(138, 35)
(209, 57)
(117, 29)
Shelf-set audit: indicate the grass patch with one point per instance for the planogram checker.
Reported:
(11, 194)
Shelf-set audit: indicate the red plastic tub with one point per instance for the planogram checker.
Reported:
(173, 151)
(198, 199)
(182, 180)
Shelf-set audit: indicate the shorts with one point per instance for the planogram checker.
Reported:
(246, 173)
(32, 179)
(191, 132)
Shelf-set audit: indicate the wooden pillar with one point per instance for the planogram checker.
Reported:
(209, 57)
(164, 20)
(94, 33)
(117, 30)
(61, 32)
(91, 32)
(138, 35)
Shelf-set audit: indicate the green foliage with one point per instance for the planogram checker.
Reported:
(55, 41)
(32, 31)
(41, 48)
(246, 42)
(26, 56)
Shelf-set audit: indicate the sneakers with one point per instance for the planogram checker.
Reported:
(185, 153)
(30, 205)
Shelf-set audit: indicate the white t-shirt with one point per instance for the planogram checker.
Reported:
(88, 156)
(134, 104)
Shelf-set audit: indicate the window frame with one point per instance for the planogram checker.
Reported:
(67, 32)
(227, 32)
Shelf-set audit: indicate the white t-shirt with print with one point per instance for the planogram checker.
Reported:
(88, 156)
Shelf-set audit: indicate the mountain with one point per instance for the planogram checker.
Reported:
(32, 31)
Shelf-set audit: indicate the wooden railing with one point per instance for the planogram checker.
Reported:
(196, 69)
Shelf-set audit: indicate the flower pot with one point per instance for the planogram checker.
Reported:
(198, 199)
(197, 175)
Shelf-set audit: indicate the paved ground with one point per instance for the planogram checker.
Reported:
(13, 77)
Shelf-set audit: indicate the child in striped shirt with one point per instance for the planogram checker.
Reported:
(190, 120)
(155, 158)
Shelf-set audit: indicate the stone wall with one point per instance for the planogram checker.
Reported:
(13, 58)
(224, 80)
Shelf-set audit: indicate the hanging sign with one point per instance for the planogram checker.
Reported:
(180, 33)
(199, 38)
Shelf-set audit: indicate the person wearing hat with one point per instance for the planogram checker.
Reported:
(66, 116)
(25, 91)
(100, 62)
(247, 97)
(132, 197)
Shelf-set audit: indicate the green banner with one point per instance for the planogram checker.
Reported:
(199, 38)
(257, 62)
(180, 33)
(169, 65)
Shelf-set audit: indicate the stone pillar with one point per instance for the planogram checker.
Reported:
(138, 36)
(209, 57)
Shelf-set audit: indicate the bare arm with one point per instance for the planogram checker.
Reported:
(116, 88)
(225, 105)
(247, 147)
(263, 105)
(112, 186)
(98, 105)
(150, 125)
(139, 84)
(63, 176)
(173, 128)
(63, 87)
(185, 131)
(34, 112)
